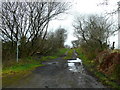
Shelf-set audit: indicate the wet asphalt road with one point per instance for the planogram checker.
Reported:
(56, 74)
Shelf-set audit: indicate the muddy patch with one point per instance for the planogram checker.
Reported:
(49, 63)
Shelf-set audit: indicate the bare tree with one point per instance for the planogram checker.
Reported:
(27, 22)
(93, 33)
(95, 29)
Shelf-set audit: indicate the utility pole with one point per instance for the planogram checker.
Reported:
(119, 25)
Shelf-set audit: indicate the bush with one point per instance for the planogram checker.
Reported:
(109, 64)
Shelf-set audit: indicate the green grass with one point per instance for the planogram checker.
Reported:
(13, 71)
(25, 64)
(69, 54)
(60, 52)
(54, 55)
(46, 58)
(28, 63)
(91, 66)
(19, 68)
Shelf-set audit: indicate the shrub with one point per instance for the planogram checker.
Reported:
(109, 64)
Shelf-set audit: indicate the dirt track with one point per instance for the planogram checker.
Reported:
(56, 74)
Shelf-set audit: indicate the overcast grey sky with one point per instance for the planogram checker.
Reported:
(84, 7)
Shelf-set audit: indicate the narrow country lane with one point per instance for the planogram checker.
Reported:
(56, 74)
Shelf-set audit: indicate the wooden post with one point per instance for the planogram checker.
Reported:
(113, 46)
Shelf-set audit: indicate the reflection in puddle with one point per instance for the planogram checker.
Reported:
(72, 67)
(75, 65)
(76, 60)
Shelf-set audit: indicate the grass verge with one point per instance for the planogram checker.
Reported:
(13, 71)
(91, 67)
(16, 71)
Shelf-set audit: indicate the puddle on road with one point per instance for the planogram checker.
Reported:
(76, 60)
(72, 67)
(75, 65)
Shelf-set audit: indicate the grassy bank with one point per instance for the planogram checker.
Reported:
(91, 67)
(13, 71)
